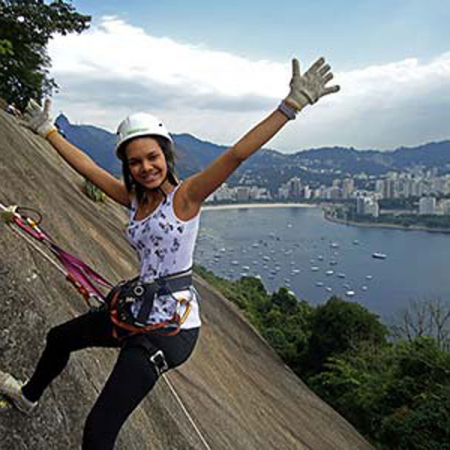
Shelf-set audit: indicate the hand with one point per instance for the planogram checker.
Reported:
(308, 88)
(38, 119)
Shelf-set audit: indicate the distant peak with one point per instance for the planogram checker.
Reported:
(62, 120)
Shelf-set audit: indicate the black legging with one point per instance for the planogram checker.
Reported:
(132, 378)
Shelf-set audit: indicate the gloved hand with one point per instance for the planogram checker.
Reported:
(38, 119)
(309, 87)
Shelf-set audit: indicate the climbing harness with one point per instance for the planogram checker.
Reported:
(76, 271)
(134, 292)
(82, 277)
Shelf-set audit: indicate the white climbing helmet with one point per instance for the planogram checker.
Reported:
(139, 124)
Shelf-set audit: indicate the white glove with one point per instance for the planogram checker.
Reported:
(38, 119)
(308, 88)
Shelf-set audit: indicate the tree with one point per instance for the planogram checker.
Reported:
(425, 318)
(397, 395)
(337, 327)
(26, 26)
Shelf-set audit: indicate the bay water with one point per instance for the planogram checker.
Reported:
(298, 248)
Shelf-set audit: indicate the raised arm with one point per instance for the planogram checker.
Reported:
(305, 89)
(38, 120)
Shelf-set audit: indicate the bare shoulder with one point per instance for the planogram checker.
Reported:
(184, 208)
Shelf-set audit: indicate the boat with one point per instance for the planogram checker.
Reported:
(369, 277)
(314, 268)
(356, 242)
(319, 283)
(329, 272)
(378, 255)
(341, 275)
(364, 288)
(334, 245)
(329, 289)
(350, 293)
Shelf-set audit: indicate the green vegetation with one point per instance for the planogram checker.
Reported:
(396, 392)
(26, 26)
(93, 192)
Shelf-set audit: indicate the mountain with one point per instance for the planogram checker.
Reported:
(235, 387)
(192, 154)
(270, 168)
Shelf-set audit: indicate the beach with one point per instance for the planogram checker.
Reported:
(257, 205)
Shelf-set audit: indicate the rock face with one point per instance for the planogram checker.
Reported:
(239, 393)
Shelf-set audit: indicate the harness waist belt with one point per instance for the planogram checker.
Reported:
(161, 286)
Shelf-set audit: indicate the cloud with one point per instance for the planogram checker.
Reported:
(115, 68)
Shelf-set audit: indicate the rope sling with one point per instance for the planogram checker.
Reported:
(78, 273)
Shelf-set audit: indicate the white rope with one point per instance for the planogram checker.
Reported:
(36, 247)
(31, 242)
(197, 430)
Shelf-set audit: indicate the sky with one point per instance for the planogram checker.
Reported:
(215, 69)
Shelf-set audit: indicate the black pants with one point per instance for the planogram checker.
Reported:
(132, 378)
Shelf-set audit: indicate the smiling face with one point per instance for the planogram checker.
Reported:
(146, 162)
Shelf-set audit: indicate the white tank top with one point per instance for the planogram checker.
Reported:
(165, 245)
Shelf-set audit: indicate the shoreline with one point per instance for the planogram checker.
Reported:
(385, 225)
(257, 205)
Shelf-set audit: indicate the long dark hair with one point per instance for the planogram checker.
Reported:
(135, 188)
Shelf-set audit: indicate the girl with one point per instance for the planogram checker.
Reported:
(164, 218)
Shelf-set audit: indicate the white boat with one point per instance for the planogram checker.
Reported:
(364, 288)
(369, 277)
(314, 268)
(334, 245)
(378, 255)
(319, 283)
(329, 272)
(341, 275)
(245, 268)
(350, 293)
(329, 289)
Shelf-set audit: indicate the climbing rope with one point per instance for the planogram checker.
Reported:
(186, 412)
(75, 271)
